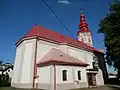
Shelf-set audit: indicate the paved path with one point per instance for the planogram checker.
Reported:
(108, 87)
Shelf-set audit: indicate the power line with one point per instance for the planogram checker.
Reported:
(66, 28)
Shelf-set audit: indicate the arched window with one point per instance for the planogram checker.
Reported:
(64, 74)
(79, 75)
(89, 39)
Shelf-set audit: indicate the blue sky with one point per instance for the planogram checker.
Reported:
(17, 17)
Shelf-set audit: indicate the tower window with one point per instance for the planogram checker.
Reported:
(79, 75)
(82, 39)
(89, 39)
(64, 74)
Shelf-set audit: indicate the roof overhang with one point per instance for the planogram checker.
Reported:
(53, 41)
(61, 63)
(93, 70)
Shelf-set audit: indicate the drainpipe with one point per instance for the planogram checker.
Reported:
(35, 65)
(54, 77)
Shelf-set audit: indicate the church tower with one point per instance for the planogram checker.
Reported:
(84, 34)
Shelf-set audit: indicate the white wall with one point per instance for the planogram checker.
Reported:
(59, 70)
(99, 78)
(64, 48)
(43, 48)
(86, 37)
(17, 61)
(46, 77)
(21, 62)
(44, 74)
(77, 53)
(28, 61)
(71, 72)
(23, 66)
(83, 73)
(89, 57)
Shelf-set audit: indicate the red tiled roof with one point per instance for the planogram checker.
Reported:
(58, 57)
(57, 37)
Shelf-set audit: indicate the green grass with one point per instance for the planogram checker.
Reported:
(11, 88)
(105, 87)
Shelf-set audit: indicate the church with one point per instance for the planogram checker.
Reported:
(49, 60)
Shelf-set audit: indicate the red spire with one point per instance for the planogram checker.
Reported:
(83, 26)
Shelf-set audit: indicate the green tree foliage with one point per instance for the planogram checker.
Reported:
(1, 62)
(110, 27)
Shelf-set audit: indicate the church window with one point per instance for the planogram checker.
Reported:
(64, 74)
(89, 39)
(79, 75)
(82, 39)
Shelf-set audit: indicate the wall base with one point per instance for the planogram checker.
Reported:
(22, 85)
(63, 86)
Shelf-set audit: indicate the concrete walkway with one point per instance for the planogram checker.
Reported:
(106, 87)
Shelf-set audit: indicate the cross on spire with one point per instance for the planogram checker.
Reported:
(81, 10)
(83, 26)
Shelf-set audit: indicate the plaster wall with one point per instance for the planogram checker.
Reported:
(17, 62)
(72, 75)
(23, 66)
(43, 48)
(99, 78)
(46, 77)
(28, 62)
(77, 53)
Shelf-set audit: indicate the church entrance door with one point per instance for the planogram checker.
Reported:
(91, 79)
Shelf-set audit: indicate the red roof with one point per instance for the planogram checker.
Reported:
(57, 37)
(56, 56)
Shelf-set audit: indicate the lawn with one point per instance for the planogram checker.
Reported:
(10, 88)
(95, 88)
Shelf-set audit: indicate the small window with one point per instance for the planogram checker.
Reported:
(82, 39)
(89, 40)
(79, 75)
(64, 74)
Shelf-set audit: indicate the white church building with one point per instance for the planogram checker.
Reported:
(49, 60)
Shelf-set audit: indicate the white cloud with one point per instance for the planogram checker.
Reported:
(64, 1)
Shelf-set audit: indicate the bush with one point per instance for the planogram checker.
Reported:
(4, 83)
(114, 81)
(4, 80)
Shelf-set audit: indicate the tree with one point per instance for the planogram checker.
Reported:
(110, 27)
(1, 65)
(1, 62)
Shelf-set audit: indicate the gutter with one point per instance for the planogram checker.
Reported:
(54, 77)
(35, 65)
